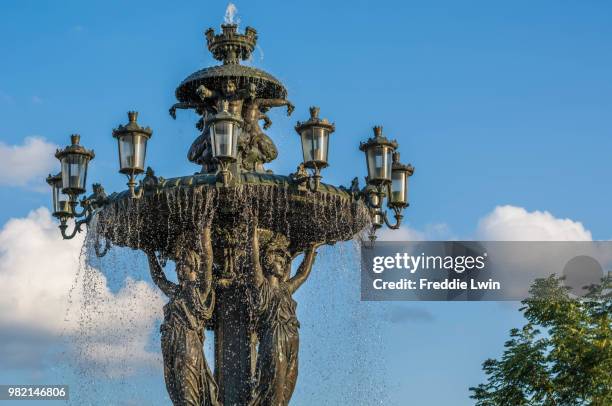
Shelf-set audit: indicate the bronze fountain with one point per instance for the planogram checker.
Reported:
(234, 228)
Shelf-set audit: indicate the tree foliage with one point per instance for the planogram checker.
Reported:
(561, 357)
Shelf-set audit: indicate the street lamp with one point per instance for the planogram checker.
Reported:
(314, 135)
(69, 184)
(61, 201)
(378, 151)
(387, 178)
(398, 189)
(74, 160)
(225, 130)
(132, 142)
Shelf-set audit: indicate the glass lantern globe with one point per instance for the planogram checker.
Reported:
(132, 142)
(314, 135)
(378, 151)
(61, 201)
(74, 160)
(225, 131)
(398, 188)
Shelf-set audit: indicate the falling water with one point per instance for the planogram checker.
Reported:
(339, 342)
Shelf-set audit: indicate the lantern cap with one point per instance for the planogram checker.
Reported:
(315, 121)
(398, 166)
(132, 127)
(53, 179)
(74, 149)
(377, 140)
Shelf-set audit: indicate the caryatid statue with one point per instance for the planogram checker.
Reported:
(189, 380)
(275, 316)
(255, 147)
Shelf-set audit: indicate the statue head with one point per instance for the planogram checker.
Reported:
(187, 260)
(276, 256)
(229, 88)
(187, 265)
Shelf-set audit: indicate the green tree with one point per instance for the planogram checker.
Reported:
(561, 357)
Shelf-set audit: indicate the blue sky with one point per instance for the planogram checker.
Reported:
(495, 103)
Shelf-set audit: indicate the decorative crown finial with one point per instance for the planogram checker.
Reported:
(378, 130)
(229, 46)
(132, 116)
(396, 157)
(75, 139)
(314, 112)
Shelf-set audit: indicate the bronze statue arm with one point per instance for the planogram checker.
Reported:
(303, 271)
(182, 105)
(277, 103)
(207, 263)
(158, 276)
(257, 275)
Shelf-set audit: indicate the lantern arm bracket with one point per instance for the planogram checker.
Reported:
(306, 181)
(225, 176)
(78, 225)
(397, 214)
(314, 180)
(132, 184)
(90, 205)
(82, 213)
(373, 196)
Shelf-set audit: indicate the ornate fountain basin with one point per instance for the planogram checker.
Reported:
(182, 205)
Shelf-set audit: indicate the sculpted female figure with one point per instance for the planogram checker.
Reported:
(256, 147)
(188, 378)
(277, 324)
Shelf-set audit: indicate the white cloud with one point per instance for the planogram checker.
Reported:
(504, 223)
(27, 164)
(511, 223)
(46, 288)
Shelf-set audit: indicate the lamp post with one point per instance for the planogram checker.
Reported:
(132, 142)
(74, 160)
(378, 151)
(61, 201)
(233, 191)
(225, 130)
(398, 189)
(387, 178)
(314, 136)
